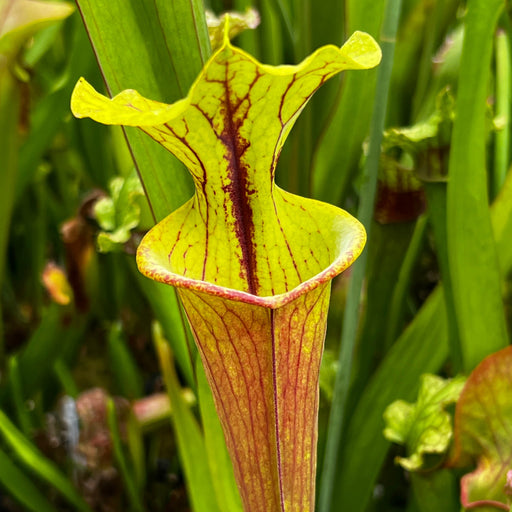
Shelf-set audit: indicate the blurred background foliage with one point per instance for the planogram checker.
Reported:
(102, 404)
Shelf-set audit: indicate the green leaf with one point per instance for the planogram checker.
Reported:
(350, 120)
(474, 271)
(424, 427)
(386, 252)
(10, 102)
(482, 431)
(66, 379)
(21, 487)
(191, 443)
(105, 212)
(137, 451)
(434, 132)
(47, 343)
(127, 377)
(158, 49)
(436, 198)
(125, 470)
(17, 396)
(118, 214)
(52, 109)
(42, 467)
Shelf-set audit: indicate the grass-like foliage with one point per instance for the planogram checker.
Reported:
(179, 326)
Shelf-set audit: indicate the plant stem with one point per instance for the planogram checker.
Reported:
(396, 310)
(436, 199)
(9, 142)
(503, 102)
(365, 214)
(472, 257)
(117, 448)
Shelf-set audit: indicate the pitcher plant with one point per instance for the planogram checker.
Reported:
(252, 263)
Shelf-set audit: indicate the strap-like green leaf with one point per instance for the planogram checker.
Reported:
(350, 122)
(188, 434)
(21, 487)
(44, 468)
(474, 273)
(158, 49)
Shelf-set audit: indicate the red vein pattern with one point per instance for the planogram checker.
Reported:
(269, 423)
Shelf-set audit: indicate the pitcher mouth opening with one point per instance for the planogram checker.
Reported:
(149, 265)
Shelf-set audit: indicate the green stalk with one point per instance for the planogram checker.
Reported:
(425, 65)
(65, 378)
(126, 471)
(166, 308)
(396, 310)
(123, 366)
(189, 436)
(472, 256)
(304, 135)
(365, 214)
(271, 44)
(442, 14)
(42, 468)
(219, 462)
(283, 9)
(137, 452)
(21, 487)
(338, 151)
(9, 142)
(436, 199)
(387, 248)
(503, 102)
(17, 397)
